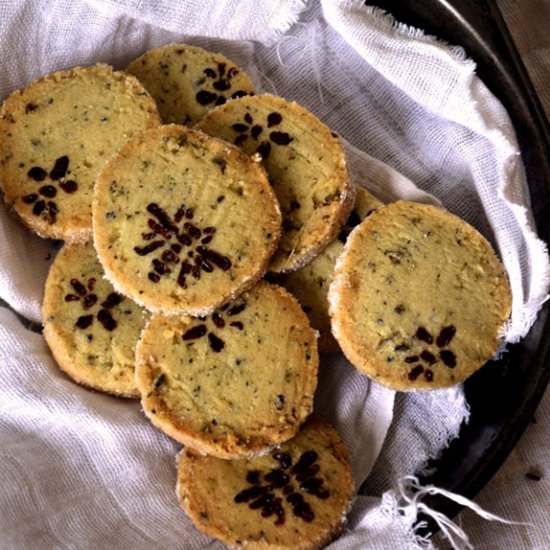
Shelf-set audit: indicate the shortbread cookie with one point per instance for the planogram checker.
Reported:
(55, 136)
(92, 331)
(183, 222)
(235, 383)
(310, 283)
(305, 164)
(187, 81)
(419, 298)
(295, 497)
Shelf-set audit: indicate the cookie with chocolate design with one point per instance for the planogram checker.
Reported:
(310, 283)
(296, 496)
(234, 383)
(187, 81)
(183, 222)
(305, 164)
(419, 298)
(55, 136)
(91, 330)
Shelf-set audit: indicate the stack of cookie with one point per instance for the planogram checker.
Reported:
(176, 191)
(56, 135)
(158, 291)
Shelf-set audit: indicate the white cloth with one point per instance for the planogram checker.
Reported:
(81, 470)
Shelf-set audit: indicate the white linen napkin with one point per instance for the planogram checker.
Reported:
(79, 469)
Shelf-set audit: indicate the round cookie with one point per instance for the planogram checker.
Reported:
(235, 383)
(55, 136)
(305, 164)
(295, 497)
(187, 81)
(91, 330)
(419, 298)
(310, 283)
(183, 221)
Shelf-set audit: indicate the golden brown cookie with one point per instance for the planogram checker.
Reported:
(419, 298)
(91, 330)
(295, 497)
(183, 222)
(56, 135)
(305, 164)
(187, 81)
(310, 283)
(235, 383)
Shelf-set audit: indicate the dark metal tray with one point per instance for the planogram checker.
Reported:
(504, 394)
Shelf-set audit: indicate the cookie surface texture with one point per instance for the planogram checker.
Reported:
(305, 164)
(419, 298)
(184, 222)
(310, 283)
(91, 330)
(56, 135)
(187, 81)
(234, 383)
(295, 497)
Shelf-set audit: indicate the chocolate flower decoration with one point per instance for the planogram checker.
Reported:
(169, 237)
(429, 356)
(219, 320)
(221, 82)
(88, 299)
(291, 482)
(248, 129)
(43, 205)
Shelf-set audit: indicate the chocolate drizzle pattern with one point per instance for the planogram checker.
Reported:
(220, 320)
(220, 77)
(180, 245)
(249, 129)
(84, 294)
(42, 202)
(286, 483)
(429, 357)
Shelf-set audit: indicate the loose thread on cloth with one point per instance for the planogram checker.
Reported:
(411, 493)
(291, 38)
(457, 52)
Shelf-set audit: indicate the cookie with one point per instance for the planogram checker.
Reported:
(294, 497)
(235, 383)
(55, 136)
(419, 298)
(310, 283)
(187, 81)
(91, 330)
(305, 164)
(184, 222)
